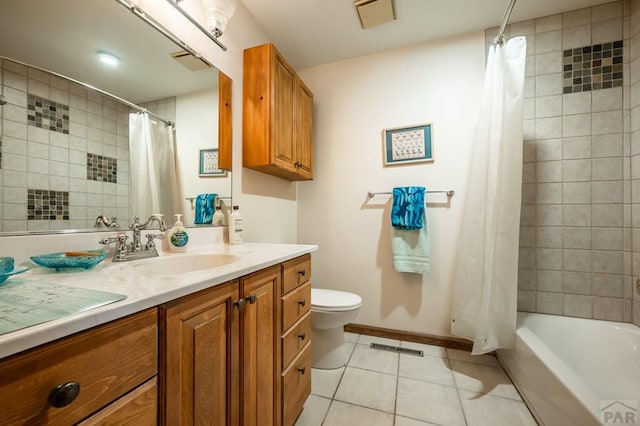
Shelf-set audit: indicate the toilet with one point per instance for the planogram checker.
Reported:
(330, 311)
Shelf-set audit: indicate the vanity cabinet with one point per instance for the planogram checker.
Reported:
(277, 116)
(108, 371)
(295, 337)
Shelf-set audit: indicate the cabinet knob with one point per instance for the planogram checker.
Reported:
(64, 395)
(301, 370)
(301, 336)
(252, 298)
(302, 302)
(302, 273)
(239, 304)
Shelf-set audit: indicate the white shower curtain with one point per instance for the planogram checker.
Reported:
(485, 286)
(154, 183)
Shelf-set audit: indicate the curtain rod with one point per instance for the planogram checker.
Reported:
(88, 86)
(503, 25)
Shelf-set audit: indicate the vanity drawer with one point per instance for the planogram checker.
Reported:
(296, 386)
(106, 362)
(295, 305)
(295, 272)
(295, 339)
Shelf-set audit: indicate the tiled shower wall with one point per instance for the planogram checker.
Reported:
(575, 237)
(634, 78)
(64, 153)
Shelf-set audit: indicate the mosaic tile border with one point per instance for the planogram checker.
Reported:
(102, 169)
(47, 114)
(593, 67)
(43, 204)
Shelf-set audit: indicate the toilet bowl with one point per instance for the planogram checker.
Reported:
(330, 311)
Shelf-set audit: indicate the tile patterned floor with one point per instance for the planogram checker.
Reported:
(380, 388)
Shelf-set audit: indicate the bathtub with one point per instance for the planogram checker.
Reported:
(565, 367)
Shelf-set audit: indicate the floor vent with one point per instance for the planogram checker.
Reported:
(397, 349)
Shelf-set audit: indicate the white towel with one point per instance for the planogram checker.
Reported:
(411, 249)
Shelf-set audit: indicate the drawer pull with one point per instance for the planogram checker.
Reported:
(64, 395)
(302, 273)
(302, 302)
(301, 370)
(301, 336)
(252, 299)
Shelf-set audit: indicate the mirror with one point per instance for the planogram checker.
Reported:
(64, 149)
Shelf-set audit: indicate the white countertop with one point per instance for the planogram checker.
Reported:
(142, 291)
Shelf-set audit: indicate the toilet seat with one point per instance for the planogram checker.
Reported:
(323, 300)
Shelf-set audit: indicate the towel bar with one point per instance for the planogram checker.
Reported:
(193, 198)
(449, 193)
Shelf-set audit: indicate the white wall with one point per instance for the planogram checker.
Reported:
(355, 99)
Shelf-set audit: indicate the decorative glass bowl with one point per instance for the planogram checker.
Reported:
(17, 270)
(63, 260)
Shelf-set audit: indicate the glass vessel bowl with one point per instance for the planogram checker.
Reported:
(63, 260)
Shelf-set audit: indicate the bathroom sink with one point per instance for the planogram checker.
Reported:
(178, 265)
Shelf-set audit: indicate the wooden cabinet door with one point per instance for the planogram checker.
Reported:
(283, 137)
(304, 131)
(200, 367)
(260, 348)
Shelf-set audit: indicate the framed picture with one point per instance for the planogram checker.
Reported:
(209, 164)
(404, 145)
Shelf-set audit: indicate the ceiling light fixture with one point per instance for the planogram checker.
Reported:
(218, 13)
(108, 58)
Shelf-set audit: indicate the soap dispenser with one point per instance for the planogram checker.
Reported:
(235, 226)
(177, 237)
(218, 217)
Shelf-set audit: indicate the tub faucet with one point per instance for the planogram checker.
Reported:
(109, 222)
(135, 249)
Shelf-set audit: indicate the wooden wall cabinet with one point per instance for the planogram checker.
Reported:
(277, 116)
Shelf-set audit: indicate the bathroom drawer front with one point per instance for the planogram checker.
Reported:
(107, 361)
(295, 272)
(296, 386)
(295, 339)
(295, 305)
(139, 407)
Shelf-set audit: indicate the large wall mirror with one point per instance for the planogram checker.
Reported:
(64, 148)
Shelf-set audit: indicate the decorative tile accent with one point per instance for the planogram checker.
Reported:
(47, 114)
(593, 67)
(43, 204)
(102, 169)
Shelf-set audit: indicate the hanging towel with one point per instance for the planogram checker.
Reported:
(204, 208)
(410, 246)
(407, 211)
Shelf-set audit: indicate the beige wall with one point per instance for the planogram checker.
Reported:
(355, 99)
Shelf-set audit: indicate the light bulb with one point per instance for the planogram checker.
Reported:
(218, 13)
(108, 58)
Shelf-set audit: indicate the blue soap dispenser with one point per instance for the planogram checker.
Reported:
(178, 237)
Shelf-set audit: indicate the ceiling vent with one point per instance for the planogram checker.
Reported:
(374, 12)
(189, 61)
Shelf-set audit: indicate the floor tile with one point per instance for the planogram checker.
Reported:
(348, 350)
(476, 359)
(428, 369)
(341, 414)
(374, 359)
(367, 340)
(315, 409)
(405, 421)
(325, 382)
(427, 349)
(490, 410)
(351, 337)
(429, 402)
(368, 389)
(483, 379)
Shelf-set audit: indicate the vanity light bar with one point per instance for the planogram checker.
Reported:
(213, 38)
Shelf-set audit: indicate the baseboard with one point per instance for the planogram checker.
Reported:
(409, 336)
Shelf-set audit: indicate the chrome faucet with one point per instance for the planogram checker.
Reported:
(135, 249)
(109, 222)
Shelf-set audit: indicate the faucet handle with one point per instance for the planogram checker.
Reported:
(150, 237)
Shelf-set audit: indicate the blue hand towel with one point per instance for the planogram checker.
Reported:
(204, 208)
(408, 208)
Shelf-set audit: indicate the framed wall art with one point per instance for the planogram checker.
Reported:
(209, 164)
(405, 145)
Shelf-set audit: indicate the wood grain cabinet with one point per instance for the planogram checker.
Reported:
(295, 337)
(277, 116)
(104, 375)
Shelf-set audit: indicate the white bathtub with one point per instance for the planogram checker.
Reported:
(564, 367)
